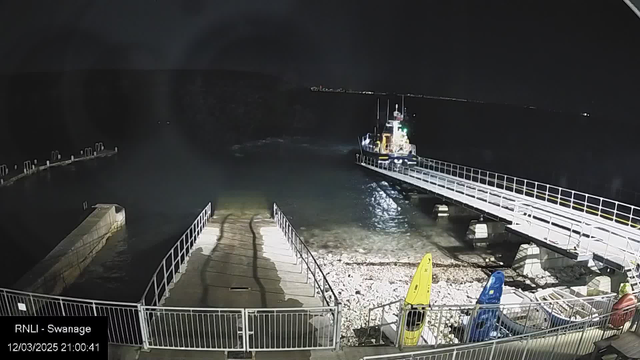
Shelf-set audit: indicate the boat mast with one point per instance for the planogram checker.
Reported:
(375, 129)
(387, 119)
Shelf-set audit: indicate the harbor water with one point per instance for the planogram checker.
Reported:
(337, 207)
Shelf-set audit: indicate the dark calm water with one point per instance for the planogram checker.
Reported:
(338, 207)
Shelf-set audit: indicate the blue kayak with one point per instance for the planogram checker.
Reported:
(484, 321)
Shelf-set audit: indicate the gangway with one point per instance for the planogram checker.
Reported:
(577, 225)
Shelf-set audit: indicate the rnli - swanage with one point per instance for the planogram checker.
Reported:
(392, 146)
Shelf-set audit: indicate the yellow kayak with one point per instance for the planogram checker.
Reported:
(418, 297)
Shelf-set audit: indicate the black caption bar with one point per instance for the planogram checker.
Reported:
(65, 337)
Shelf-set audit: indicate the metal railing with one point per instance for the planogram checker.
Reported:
(565, 342)
(321, 287)
(611, 210)
(510, 205)
(394, 308)
(577, 234)
(124, 318)
(308, 262)
(173, 263)
(194, 328)
(8, 175)
(453, 324)
(240, 329)
(308, 328)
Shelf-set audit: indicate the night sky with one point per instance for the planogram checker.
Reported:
(579, 55)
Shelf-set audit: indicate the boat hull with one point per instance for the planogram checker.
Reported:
(398, 159)
(525, 318)
(568, 310)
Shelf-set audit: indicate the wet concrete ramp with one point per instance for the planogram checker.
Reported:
(242, 260)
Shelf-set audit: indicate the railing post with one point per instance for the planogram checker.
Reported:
(493, 348)
(307, 277)
(155, 285)
(245, 330)
(553, 350)
(6, 300)
(526, 345)
(173, 261)
(582, 335)
(321, 285)
(144, 331)
(403, 320)
(467, 330)
(526, 320)
(338, 325)
(62, 307)
(32, 304)
(438, 328)
(313, 280)
(600, 208)
(164, 275)
(399, 321)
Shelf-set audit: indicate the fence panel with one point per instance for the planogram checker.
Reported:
(194, 328)
(291, 329)
(562, 343)
(124, 324)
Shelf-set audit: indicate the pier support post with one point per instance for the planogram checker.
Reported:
(553, 260)
(527, 261)
(482, 232)
(441, 210)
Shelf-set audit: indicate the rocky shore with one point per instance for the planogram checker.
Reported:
(362, 282)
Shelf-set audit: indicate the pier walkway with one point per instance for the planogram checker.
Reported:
(580, 226)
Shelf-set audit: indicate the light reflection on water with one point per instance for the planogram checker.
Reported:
(340, 208)
(386, 214)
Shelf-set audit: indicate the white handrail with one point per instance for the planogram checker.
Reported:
(434, 175)
(184, 248)
(286, 227)
(549, 192)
